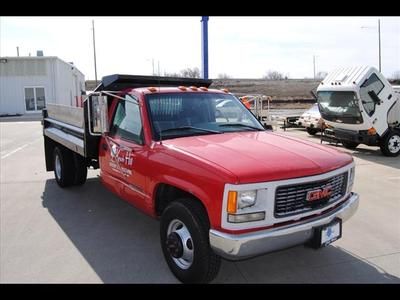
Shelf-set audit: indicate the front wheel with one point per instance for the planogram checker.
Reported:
(185, 243)
(350, 145)
(390, 145)
(312, 131)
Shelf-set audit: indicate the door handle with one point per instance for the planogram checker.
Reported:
(104, 146)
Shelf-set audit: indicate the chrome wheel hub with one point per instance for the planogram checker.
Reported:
(394, 144)
(179, 244)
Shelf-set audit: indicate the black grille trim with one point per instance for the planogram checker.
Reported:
(291, 199)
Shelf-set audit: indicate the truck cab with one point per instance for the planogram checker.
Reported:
(360, 106)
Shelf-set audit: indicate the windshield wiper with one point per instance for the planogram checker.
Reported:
(188, 128)
(241, 125)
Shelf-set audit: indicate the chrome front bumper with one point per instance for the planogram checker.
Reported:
(241, 246)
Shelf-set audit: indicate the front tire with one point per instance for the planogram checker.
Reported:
(185, 243)
(312, 131)
(390, 145)
(350, 145)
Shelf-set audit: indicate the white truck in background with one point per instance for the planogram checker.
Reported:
(360, 106)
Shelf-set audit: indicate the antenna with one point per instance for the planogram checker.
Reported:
(94, 54)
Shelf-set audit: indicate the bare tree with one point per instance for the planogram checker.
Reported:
(166, 74)
(191, 72)
(287, 76)
(321, 75)
(273, 75)
(223, 76)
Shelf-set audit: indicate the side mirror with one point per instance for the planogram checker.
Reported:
(98, 114)
(374, 97)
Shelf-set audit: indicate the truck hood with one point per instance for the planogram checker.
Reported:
(261, 156)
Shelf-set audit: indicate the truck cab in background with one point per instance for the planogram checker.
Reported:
(360, 106)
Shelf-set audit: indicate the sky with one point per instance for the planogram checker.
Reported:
(241, 47)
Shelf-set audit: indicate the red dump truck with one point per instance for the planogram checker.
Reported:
(221, 185)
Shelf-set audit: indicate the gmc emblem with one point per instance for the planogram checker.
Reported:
(319, 194)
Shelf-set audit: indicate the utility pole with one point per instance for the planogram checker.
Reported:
(204, 43)
(94, 54)
(152, 63)
(17, 51)
(379, 36)
(314, 65)
(379, 42)
(158, 68)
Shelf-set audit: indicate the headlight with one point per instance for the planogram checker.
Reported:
(246, 198)
(242, 207)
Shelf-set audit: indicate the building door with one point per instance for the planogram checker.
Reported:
(35, 99)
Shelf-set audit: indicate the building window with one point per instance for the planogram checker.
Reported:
(35, 99)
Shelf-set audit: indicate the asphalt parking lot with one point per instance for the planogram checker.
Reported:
(87, 235)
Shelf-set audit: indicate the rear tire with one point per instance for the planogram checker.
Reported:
(350, 145)
(390, 145)
(64, 167)
(185, 242)
(312, 131)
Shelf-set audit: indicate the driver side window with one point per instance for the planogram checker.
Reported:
(373, 83)
(127, 123)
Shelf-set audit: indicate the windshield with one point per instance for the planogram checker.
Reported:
(339, 107)
(175, 115)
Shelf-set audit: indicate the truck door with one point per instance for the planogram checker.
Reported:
(123, 153)
(376, 100)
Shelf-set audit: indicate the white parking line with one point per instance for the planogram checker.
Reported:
(14, 151)
(18, 149)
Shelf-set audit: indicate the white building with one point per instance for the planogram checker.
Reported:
(28, 83)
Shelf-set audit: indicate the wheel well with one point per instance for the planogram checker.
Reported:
(166, 193)
(49, 145)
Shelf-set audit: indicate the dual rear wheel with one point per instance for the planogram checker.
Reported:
(69, 168)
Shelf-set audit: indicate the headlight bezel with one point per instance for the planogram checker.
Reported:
(351, 178)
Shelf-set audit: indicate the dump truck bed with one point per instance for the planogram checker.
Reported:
(65, 125)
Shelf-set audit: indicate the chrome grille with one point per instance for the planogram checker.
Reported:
(291, 199)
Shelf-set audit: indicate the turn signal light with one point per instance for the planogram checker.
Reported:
(371, 131)
(232, 202)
